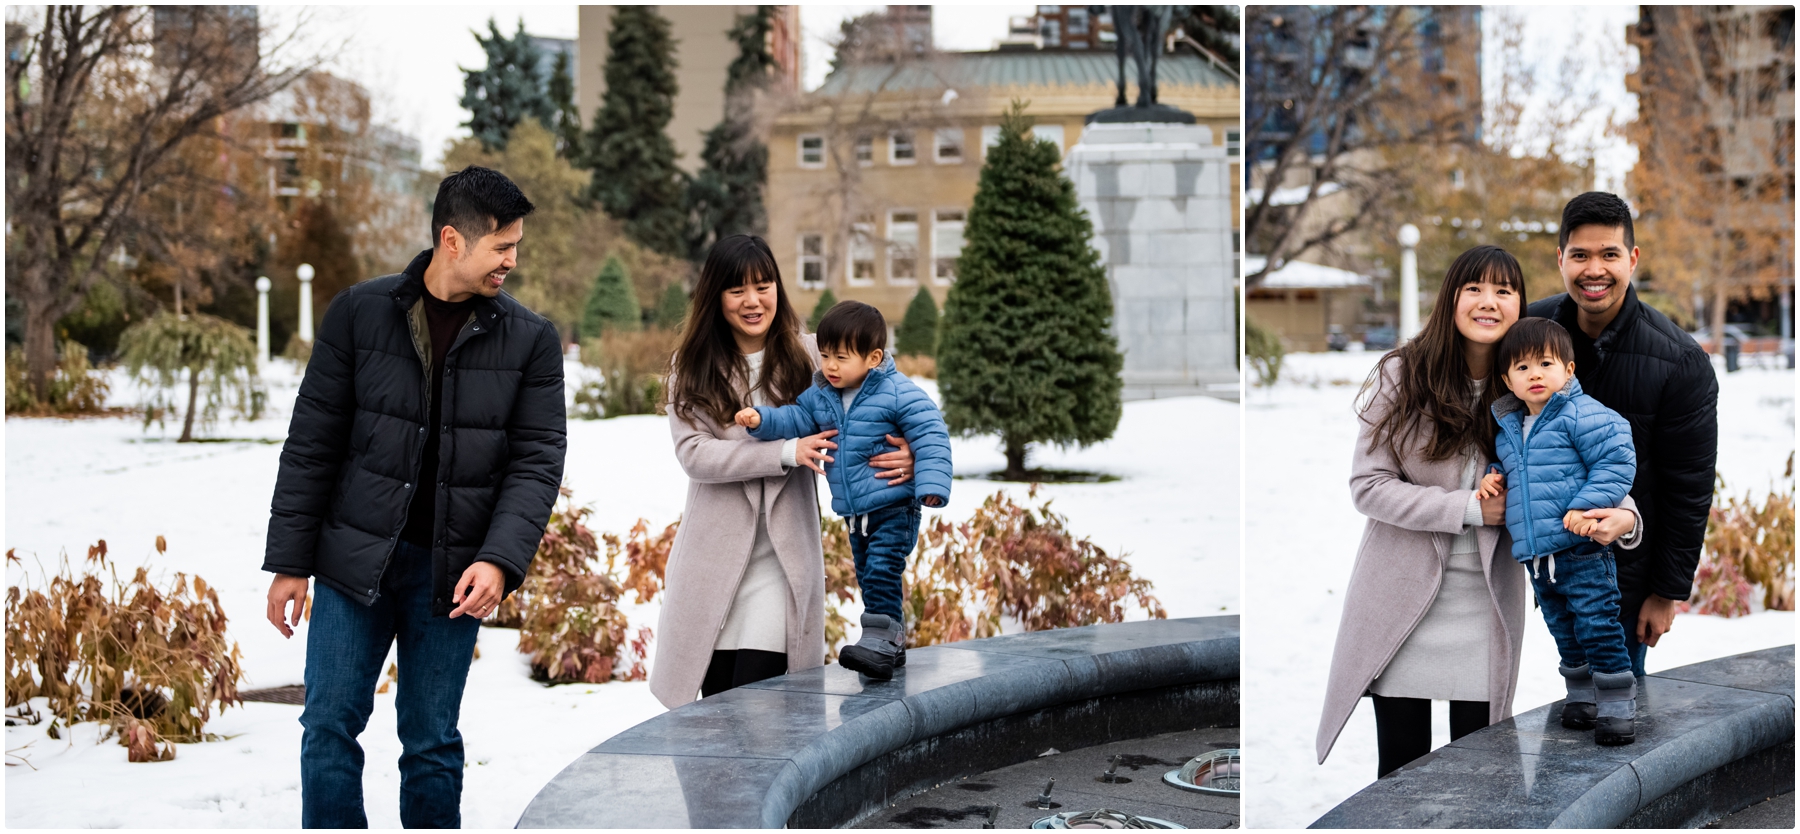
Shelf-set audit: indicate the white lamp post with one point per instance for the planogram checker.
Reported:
(262, 321)
(1409, 282)
(305, 273)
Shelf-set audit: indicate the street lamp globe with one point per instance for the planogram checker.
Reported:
(305, 271)
(1409, 235)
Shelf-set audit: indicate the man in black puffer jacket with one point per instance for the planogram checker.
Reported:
(1635, 361)
(424, 455)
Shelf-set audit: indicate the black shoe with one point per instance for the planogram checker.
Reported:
(880, 650)
(1614, 732)
(1579, 716)
(874, 664)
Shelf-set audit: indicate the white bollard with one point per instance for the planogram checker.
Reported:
(262, 322)
(1409, 282)
(305, 272)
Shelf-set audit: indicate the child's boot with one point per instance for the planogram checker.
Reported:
(1580, 706)
(880, 650)
(1616, 716)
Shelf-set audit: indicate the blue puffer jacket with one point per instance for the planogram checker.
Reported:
(1578, 457)
(888, 403)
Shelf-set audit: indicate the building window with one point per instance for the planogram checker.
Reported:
(900, 149)
(1234, 140)
(865, 151)
(1078, 21)
(812, 261)
(949, 148)
(1052, 32)
(946, 243)
(862, 252)
(903, 247)
(812, 151)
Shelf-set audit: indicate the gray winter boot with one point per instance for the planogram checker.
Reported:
(1617, 714)
(880, 650)
(1581, 705)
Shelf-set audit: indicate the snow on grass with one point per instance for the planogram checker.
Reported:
(1301, 535)
(1174, 511)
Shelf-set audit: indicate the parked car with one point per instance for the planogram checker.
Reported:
(1336, 338)
(1380, 338)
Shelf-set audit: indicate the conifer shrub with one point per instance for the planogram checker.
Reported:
(204, 352)
(917, 334)
(1747, 548)
(1025, 348)
(1263, 348)
(672, 309)
(826, 302)
(635, 177)
(148, 661)
(612, 304)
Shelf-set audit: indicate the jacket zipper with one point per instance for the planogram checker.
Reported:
(844, 424)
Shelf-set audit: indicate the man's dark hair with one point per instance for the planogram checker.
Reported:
(1595, 208)
(476, 202)
(1534, 337)
(853, 325)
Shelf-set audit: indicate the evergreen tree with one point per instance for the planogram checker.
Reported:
(826, 302)
(725, 198)
(635, 178)
(918, 331)
(1025, 348)
(565, 119)
(508, 90)
(672, 309)
(612, 304)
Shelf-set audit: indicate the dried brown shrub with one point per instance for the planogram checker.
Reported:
(1016, 561)
(916, 366)
(148, 662)
(567, 608)
(76, 388)
(1747, 547)
(631, 366)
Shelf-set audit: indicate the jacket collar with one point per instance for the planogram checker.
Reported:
(1510, 402)
(412, 288)
(1629, 311)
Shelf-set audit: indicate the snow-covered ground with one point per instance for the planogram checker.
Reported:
(1300, 539)
(1174, 511)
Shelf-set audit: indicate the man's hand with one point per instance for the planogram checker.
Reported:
(1655, 619)
(1493, 509)
(283, 590)
(479, 590)
(811, 451)
(896, 466)
(748, 418)
(1610, 524)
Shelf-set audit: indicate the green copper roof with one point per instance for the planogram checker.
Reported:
(970, 70)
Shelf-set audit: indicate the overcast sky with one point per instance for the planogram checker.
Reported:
(409, 56)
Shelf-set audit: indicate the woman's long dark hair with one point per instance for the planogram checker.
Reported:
(708, 373)
(1433, 388)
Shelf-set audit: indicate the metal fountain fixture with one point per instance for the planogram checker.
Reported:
(1103, 818)
(1219, 772)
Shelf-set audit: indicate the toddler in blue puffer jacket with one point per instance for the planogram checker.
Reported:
(858, 392)
(1564, 453)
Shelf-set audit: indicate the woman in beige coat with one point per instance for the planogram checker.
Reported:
(744, 592)
(1436, 607)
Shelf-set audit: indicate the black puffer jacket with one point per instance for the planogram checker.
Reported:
(353, 449)
(1659, 379)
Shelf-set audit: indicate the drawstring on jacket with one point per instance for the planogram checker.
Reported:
(1534, 566)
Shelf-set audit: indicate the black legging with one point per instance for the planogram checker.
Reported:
(732, 669)
(1403, 727)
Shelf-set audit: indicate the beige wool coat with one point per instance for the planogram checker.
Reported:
(1415, 507)
(712, 550)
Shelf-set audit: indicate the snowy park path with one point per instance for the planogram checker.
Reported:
(1174, 511)
(1300, 539)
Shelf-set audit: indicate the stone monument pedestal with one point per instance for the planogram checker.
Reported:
(1159, 196)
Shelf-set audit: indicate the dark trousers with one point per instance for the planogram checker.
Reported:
(345, 646)
(881, 553)
(1403, 727)
(1581, 607)
(732, 669)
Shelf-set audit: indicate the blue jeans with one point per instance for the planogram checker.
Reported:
(1581, 607)
(881, 555)
(345, 646)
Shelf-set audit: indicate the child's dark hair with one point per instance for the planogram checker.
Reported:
(853, 325)
(1533, 337)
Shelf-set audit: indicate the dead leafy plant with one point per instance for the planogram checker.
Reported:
(149, 662)
(75, 387)
(840, 582)
(1747, 547)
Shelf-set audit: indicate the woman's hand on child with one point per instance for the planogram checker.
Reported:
(1492, 484)
(748, 418)
(810, 451)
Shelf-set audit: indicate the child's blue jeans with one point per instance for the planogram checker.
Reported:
(1580, 601)
(881, 541)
